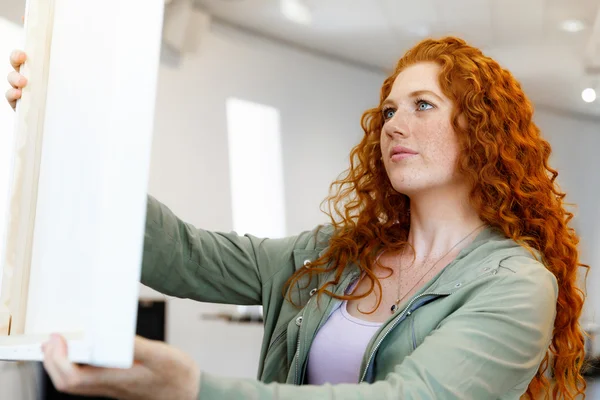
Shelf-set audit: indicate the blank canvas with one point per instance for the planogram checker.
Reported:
(93, 172)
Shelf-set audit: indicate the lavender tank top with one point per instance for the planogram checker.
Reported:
(338, 348)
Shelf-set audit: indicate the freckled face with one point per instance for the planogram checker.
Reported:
(418, 144)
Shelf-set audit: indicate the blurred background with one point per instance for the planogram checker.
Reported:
(259, 104)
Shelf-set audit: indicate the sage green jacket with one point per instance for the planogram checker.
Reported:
(478, 330)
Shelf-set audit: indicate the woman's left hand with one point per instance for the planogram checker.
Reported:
(159, 372)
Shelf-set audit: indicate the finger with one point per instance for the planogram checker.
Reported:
(83, 380)
(17, 80)
(56, 362)
(12, 95)
(17, 58)
(66, 376)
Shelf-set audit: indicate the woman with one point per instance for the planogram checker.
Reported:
(448, 271)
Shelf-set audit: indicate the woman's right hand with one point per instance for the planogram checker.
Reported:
(16, 80)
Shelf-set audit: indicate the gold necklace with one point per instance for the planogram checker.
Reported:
(394, 307)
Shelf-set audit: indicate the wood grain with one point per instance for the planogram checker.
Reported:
(31, 111)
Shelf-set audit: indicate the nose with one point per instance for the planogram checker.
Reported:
(397, 125)
(393, 129)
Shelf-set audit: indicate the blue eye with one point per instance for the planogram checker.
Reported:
(388, 113)
(422, 105)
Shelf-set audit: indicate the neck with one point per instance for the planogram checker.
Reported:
(439, 220)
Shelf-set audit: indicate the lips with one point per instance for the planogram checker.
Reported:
(401, 151)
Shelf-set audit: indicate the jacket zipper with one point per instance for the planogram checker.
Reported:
(412, 329)
(297, 358)
(298, 343)
(394, 324)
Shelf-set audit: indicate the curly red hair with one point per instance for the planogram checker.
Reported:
(504, 158)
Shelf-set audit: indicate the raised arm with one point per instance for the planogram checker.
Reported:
(183, 261)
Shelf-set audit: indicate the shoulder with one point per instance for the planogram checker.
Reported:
(528, 274)
(516, 295)
(511, 262)
(519, 265)
(505, 272)
(517, 284)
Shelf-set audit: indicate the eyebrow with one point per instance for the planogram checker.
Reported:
(416, 93)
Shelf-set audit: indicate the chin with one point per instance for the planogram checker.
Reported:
(411, 182)
(413, 185)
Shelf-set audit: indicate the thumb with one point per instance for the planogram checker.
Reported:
(58, 343)
(57, 350)
(56, 360)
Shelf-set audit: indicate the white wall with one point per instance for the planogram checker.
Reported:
(320, 104)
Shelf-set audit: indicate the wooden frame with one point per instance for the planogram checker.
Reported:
(75, 222)
(29, 131)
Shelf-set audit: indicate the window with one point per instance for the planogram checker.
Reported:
(256, 174)
(256, 169)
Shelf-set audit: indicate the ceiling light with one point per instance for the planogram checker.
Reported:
(588, 95)
(572, 25)
(296, 11)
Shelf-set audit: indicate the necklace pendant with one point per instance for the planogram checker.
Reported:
(394, 308)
